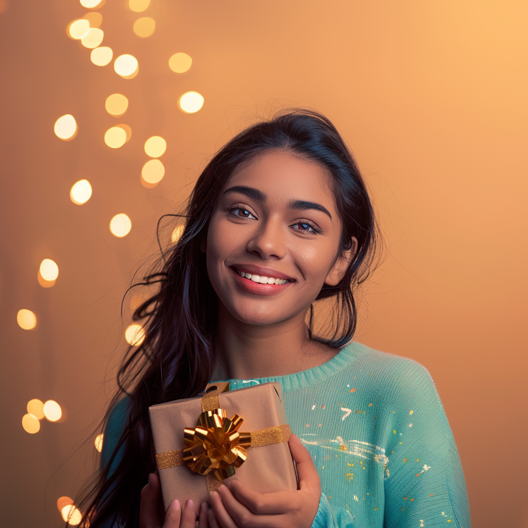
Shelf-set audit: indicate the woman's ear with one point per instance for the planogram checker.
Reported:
(340, 266)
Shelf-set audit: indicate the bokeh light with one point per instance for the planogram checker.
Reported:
(115, 137)
(95, 19)
(49, 270)
(144, 27)
(180, 62)
(126, 66)
(65, 127)
(90, 3)
(128, 131)
(78, 28)
(52, 411)
(26, 319)
(120, 225)
(177, 233)
(30, 423)
(116, 104)
(155, 146)
(36, 408)
(99, 442)
(81, 192)
(191, 102)
(93, 38)
(138, 5)
(102, 56)
(63, 501)
(71, 515)
(153, 171)
(134, 334)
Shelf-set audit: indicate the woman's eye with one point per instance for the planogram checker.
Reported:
(307, 227)
(237, 208)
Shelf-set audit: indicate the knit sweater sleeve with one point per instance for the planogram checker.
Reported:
(424, 484)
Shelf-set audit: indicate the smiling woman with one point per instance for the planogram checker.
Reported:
(280, 218)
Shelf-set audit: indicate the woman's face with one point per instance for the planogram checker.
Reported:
(254, 226)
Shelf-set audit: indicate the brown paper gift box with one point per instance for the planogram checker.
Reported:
(268, 468)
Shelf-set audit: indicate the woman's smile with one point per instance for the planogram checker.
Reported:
(255, 283)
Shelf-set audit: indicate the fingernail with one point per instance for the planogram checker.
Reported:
(189, 503)
(204, 506)
(175, 504)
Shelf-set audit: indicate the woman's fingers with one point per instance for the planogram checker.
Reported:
(308, 477)
(149, 516)
(173, 516)
(204, 510)
(257, 503)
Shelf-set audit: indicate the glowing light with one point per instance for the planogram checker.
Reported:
(65, 127)
(90, 3)
(52, 411)
(26, 319)
(78, 28)
(115, 137)
(49, 270)
(126, 65)
(191, 102)
(120, 225)
(30, 423)
(155, 146)
(153, 171)
(176, 234)
(144, 27)
(180, 62)
(134, 334)
(116, 104)
(93, 38)
(95, 19)
(138, 5)
(128, 131)
(71, 515)
(99, 442)
(63, 501)
(102, 56)
(81, 192)
(36, 408)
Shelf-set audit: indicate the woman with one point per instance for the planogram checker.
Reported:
(280, 218)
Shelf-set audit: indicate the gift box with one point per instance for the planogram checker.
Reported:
(202, 442)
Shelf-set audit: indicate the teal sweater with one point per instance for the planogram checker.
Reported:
(378, 435)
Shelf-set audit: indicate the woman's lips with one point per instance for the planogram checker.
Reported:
(257, 288)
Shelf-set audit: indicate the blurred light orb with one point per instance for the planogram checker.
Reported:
(93, 38)
(36, 408)
(135, 334)
(49, 270)
(99, 442)
(81, 192)
(65, 127)
(155, 146)
(128, 131)
(26, 319)
(78, 29)
(90, 3)
(115, 137)
(102, 56)
(144, 27)
(71, 515)
(30, 423)
(138, 5)
(63, 501)
(126, 65)
(95, 19)
(180, 62)
(176, 234)
(153, 171)
(191, 102)
(120, 225)
(116, 104)
(52, 411)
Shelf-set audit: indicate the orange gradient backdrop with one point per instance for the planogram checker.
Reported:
(430, 97)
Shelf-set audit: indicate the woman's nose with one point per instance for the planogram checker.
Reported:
(268, 239)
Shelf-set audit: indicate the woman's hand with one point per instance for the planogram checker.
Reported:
(152, 514)
(238, 507)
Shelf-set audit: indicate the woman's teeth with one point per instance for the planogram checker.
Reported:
(261, 279)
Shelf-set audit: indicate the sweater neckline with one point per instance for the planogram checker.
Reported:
(303, 378)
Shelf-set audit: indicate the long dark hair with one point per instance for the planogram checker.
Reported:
(175, 358)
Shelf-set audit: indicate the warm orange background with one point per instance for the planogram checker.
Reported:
(430, 96)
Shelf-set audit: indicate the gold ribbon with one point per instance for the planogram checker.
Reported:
(216, 447)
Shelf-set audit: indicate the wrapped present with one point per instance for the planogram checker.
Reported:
(200, 442)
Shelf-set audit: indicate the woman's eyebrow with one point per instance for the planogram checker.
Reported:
(259, 196)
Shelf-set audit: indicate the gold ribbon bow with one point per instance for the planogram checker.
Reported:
(215, 447)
